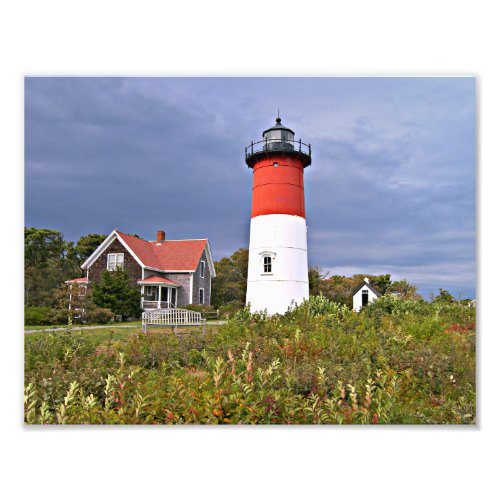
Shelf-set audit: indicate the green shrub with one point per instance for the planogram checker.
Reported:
(392, 363)
(320, 305)
(392, 304)
(36, 315)
(228, 310)
(198, 307)
(98, 315)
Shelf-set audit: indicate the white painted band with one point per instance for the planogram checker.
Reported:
(284, 239)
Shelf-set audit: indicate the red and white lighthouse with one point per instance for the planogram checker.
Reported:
(277, 262)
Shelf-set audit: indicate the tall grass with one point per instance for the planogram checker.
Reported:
(393, 363)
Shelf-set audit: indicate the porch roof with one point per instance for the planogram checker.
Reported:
(78, 280)
(157, 280)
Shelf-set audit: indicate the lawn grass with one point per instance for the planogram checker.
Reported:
(97, 335)
(43, 327)
(76, 326)
(137, 323)
(109, 333)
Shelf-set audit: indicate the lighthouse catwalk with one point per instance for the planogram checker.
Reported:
(277, 262)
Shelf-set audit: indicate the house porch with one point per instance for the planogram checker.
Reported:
(158, 292)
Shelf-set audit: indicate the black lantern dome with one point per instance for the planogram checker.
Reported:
(277, 138)
(278, 133)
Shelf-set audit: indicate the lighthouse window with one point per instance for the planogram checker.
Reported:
(273, 135)
(275, 164)
(267, 264)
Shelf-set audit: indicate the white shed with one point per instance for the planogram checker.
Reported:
(364, 294)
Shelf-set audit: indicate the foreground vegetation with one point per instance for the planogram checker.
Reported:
(396, 362)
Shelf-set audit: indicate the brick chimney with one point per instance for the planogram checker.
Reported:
(160, 237)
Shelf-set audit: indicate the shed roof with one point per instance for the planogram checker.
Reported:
(374, 290)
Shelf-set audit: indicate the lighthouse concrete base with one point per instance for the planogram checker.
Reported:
(277, 263)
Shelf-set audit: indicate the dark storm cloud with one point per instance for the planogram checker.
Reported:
(391, 188)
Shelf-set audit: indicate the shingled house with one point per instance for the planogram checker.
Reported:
(170, 273)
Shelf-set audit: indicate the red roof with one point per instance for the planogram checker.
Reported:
(78, 280)
(170, 255)
(158, 279)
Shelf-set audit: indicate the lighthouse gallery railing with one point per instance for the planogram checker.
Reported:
(277, 145)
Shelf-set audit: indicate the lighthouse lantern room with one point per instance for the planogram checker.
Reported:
(277, 261)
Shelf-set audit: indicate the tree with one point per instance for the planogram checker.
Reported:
(316, 275)
(87, 245)
(405, 289)
(444, 297)
(381, 282)
(115, 292)
(230, 284)
(47, 261)
(74, 304)
(340, 288)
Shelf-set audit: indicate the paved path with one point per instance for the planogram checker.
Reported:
(96, 327)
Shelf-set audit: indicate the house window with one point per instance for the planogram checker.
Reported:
(115, 261)
(267, 264)
(151, 292)
(202, 296)
(202, 269)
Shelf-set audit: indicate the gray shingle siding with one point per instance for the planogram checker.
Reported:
(130, 265)
(182, 278)
(183, 293)
(199, 282)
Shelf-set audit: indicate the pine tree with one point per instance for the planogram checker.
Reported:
(115, 292)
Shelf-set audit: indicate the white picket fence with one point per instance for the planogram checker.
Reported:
(172, 317)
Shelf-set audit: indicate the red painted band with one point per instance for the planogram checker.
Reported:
(278, 190)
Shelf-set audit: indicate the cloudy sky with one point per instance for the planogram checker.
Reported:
(391, 188)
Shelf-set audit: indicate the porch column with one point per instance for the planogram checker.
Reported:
(142, 296)
(169, 296)
(159, 296)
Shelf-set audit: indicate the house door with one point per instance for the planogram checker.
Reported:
(164, 294)
(364, 297)
(173, 300)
